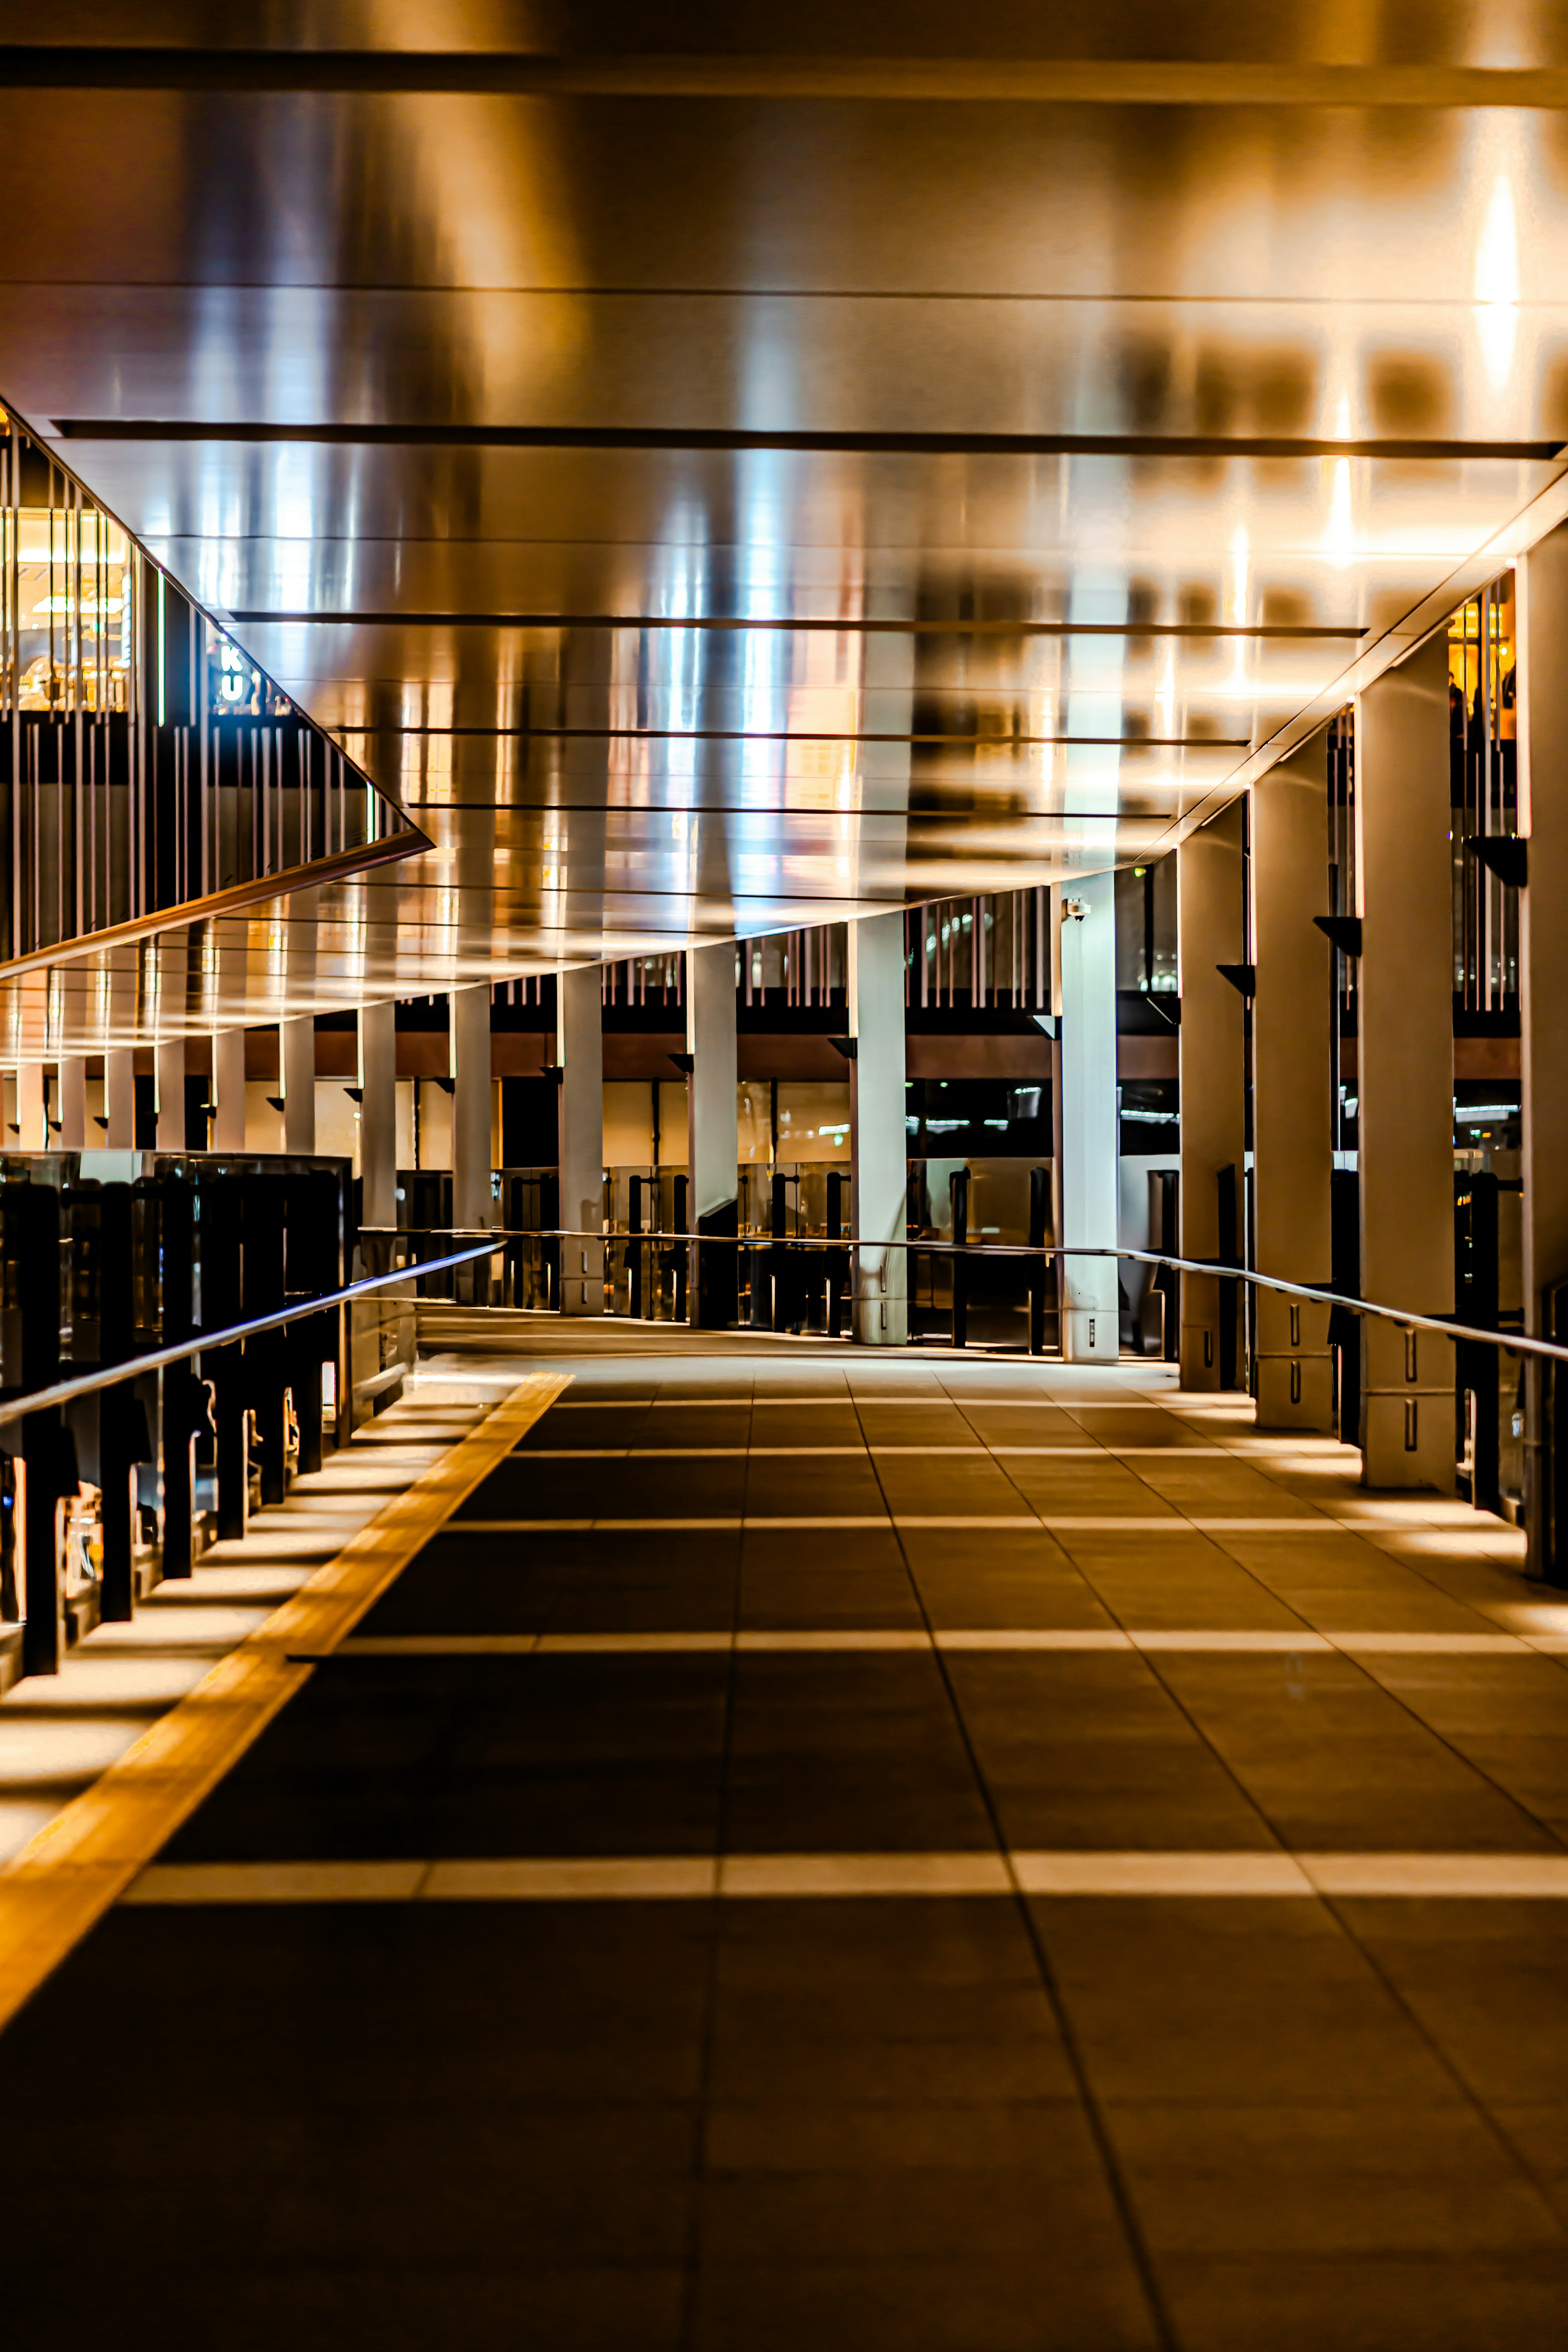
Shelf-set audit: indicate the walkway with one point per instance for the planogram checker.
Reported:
(820, 1852)
(60, 1732)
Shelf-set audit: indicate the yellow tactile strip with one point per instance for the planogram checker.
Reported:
(65, 1878)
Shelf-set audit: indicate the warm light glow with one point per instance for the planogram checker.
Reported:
(1497, 255)
(1339, 539)
(1240, 557)
(1496, 283)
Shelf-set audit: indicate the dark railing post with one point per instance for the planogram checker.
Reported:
(837, 1260)
(184, 1411)
(679, 1252)
(778, 1259)
(759, 1262)
(33, 1245)
(117, 1409)
(1040, 1268)
(634, 1248)
(221, 1246)
(1168, 1280)
(313, 1218)
(1476, 1301)
(549, 1218)
(264, 1356)
(958, 1193)
(1227, 1255)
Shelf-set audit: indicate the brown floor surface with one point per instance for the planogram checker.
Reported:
(944, 2122)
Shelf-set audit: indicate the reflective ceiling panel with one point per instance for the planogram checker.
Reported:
(725, 469)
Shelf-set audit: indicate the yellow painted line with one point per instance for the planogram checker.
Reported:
(65, 1878)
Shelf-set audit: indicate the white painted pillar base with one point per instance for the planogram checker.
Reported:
(714, 1148)
(1089, 1162)
(228, 1090)
(1292, 1137)
(297, 1055)
(1405, 1070)
(1211, 1046)
(580, 1055)
(120, 1099)
(878, 1137)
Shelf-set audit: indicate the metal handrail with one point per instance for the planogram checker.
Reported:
(131, 1368)
(1512, 1343)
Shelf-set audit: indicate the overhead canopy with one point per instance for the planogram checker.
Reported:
(722, 475)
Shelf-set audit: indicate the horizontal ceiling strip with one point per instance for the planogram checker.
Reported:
(726, 438)
(826, 735)
(787, 625)
(1007, 77)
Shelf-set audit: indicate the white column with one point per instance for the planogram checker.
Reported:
(1211, 1046)
(32, 1121)
(1541, 593)
(228, 1090)
(469, 1034)
(169, 1081)
(580, 1057)
(297, 1062)
(1292, 1136)
(119, 1098)
(878, 1142)
(72, 1136)
(1405, 1068)
(1089, 1162)
(714, 1148)
(378, 1113)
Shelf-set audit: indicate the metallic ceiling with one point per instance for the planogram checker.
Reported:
(720, 470)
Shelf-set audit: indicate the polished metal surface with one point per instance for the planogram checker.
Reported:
(719, 470)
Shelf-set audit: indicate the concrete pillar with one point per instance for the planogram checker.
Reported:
(120, 1099)
(471, 1045)
(72, 1136)
(297, 1062)
(228, 1090)
(1405, 1068)
(1211, 930)
(713, 1146)
(1541, 618)
(1292, 1132)
(1087, 1155)
(378, 1113)
(32, 1120)
(169, 1067)
(879, 1144)
(580, 1055)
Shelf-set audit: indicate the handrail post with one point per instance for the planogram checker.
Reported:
(33, 1245)
(958, 1193)
(224, 1365)
(837, 1260)
(681, 1254)
(115, 1302)
(1039, 1211)
(634, 1248)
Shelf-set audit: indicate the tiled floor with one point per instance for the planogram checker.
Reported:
(824, 1851)
(58, 1732)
